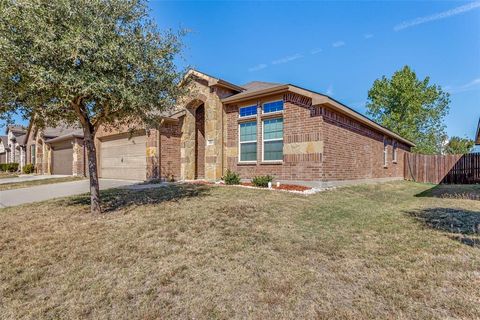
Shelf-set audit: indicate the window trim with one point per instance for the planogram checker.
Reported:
(385, 152)
(268, 140)
(250, 141)
(394, 152)
(249, 116)
(33, 154)
(273, 112)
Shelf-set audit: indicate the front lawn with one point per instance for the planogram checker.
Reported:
(6, 175)
(32, 183)
(197, 251)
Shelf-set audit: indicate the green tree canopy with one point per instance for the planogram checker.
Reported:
(457, 145)
(413, 108)
(92, 62)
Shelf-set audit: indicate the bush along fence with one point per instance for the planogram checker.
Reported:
(9, 167)
(453, 169)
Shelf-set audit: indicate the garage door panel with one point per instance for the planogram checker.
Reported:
(139, 140)
(124, 158)
(116, 151)
(62, 161)
(127, 162)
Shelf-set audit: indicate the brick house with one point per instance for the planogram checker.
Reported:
(12, 148)
(3, 149)
(254, 129)
(56, 150)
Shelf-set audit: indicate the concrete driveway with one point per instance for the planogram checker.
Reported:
(15, 197)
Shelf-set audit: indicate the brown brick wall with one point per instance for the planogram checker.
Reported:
(170, 135)
(354, 151)
(351, 150)
(298, 126)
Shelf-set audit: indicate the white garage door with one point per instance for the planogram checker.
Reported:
(124, 158)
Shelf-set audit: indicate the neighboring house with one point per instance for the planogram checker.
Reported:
(255, 129)
(56, 150)
(3, 149)
(14, 146)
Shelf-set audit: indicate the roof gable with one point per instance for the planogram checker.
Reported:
(212, 81)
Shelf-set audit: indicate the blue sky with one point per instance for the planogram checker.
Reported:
(337, 48)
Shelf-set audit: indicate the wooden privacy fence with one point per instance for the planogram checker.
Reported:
(454, 169)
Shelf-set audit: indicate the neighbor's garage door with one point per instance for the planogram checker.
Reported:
(123, 158)
(62, 159)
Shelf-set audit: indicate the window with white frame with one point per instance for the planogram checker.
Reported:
(248, 141)
(385, 152)
(247, 111)
(274, 106)
(273, 139)
(394, 155)
(32, 154)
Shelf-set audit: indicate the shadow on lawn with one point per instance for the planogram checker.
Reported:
(464, 225)
(115, 199)
(453, 191)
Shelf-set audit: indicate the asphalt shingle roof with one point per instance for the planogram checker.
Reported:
(50, 132)
(256, 86)
(17, 129)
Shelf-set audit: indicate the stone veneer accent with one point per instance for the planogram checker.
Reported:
(210, 97)
(78, 158)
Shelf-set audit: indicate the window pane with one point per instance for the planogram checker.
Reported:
(273, 129)
(248, 131)
(273, 106)
(248, 111)
(248, 151)
(273, 150)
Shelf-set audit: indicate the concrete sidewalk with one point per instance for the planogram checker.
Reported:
(15, 197)
(24, 178)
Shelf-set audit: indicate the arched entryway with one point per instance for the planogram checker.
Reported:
(200, 142)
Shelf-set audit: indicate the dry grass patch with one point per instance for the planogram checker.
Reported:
(32, 183)
(195, 251)
(6, 175)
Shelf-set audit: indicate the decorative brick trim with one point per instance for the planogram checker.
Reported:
(348, 123)
(297, 99)
(317, 111)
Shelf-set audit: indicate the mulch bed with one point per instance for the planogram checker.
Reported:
(286, 187)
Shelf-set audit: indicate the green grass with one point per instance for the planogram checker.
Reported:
(196, 251)
(26, 184)
(6, 175)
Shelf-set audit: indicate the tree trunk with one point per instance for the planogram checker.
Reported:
(92, 170)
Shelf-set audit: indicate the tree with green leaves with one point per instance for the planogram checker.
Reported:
(412, 108)
(89, 62)
(457, 145)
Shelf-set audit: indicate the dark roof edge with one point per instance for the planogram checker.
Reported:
(64, 137)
